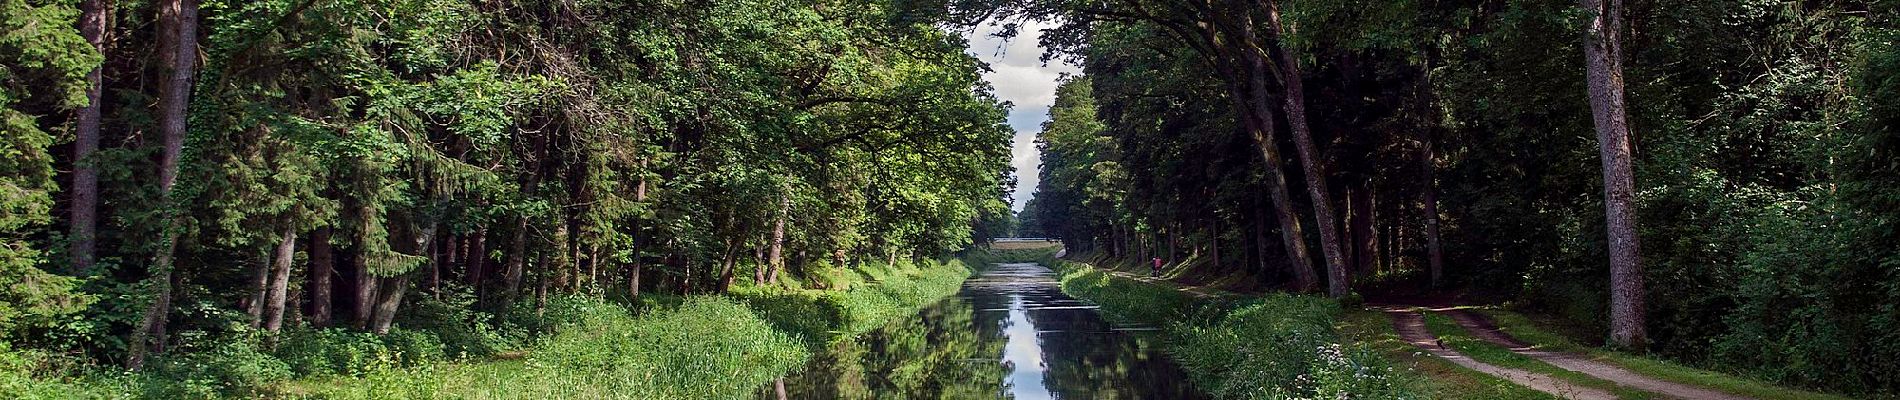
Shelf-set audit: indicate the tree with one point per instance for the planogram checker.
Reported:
(178, 36)
(44, 68)
(85, 186)
(1603, 53)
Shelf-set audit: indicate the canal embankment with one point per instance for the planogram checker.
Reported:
(1236, 346)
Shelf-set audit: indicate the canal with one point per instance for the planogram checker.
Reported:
(1009, 333)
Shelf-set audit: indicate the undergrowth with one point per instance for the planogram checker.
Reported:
(1273, 347)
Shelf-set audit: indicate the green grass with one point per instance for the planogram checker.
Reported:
(1457, 338)
(1523, 328)
(708, 347)
(1126, 299)
(1275, 346)
(1436, 378)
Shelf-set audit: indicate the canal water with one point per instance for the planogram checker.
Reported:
(1009, 333)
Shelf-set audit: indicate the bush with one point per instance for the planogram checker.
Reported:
(228, 368)
(1282, 346)
(324, 352)
(1279, 346)
(463, 331)
(335, 351)
(710, 348)
(562, 311)
(412, 348)
(815, 316)
(30, 375)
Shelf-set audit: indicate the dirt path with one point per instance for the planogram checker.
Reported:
(1411, 327)
(1482, 328)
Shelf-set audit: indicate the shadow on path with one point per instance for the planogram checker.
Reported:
(1411, 327)
(1481, 327)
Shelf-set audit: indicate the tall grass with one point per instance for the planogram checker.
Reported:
(707, 347)
(1274, 347)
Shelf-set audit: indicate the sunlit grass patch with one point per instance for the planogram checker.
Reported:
(1277, 346)
(1523, 328)
(1457, 338)
(1433, 377)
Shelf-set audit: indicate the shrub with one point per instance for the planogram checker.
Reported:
(710, 348)
(1279, 346)
(1282, 346)
(812, 315)
(325, 352)
(561, 311)
(412, 348)
(463, 331)
(23, 376)
(228, 368)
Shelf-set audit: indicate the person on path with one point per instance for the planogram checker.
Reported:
(1156, 271)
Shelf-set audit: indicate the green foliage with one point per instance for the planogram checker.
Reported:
(464, 332)
(43, 67)
(324, 352)
(31, 375)
(1287, 349)
(826, 316)
(709, 348)
(1279, 346)
(232, 368)
(331, 352)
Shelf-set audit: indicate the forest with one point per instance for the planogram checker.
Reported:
(1710, 182)
(720, 199)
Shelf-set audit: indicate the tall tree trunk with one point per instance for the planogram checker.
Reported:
(260, 286)
(1251, 98)
(1213, 241)
(573, 263)
(1429, 171)
(477, 263)
(1434, 256)
(364, 305)
(1316, 187)
(541, 285)
(1386, 242)
(280, 281)
(517, 257)
(451, 255)
(85, 206)
(726, 265)
(322, 265)
(633, 277)
(1603, 53)
(775, 258)
(388, 301)
(178, 44)
(1364, 237)
(391, 289)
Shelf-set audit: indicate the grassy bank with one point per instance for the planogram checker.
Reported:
(711, 347)
(1524, 328)
(665, 347)
(1435, 377)
(1275, 346)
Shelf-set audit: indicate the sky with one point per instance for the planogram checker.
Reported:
(1020, 78)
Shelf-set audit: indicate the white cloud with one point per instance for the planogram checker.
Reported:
(1021, 78)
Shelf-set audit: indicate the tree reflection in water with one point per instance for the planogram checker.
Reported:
(1010, 333)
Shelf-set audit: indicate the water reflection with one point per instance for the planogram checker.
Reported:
(1010, 333)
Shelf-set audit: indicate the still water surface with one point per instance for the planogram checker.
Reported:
(1010, 333)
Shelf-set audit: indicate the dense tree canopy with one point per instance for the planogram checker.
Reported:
(341, 160)
(1758, 138)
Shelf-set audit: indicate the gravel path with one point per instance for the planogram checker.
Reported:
(1411, 327)
(1481, 327)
